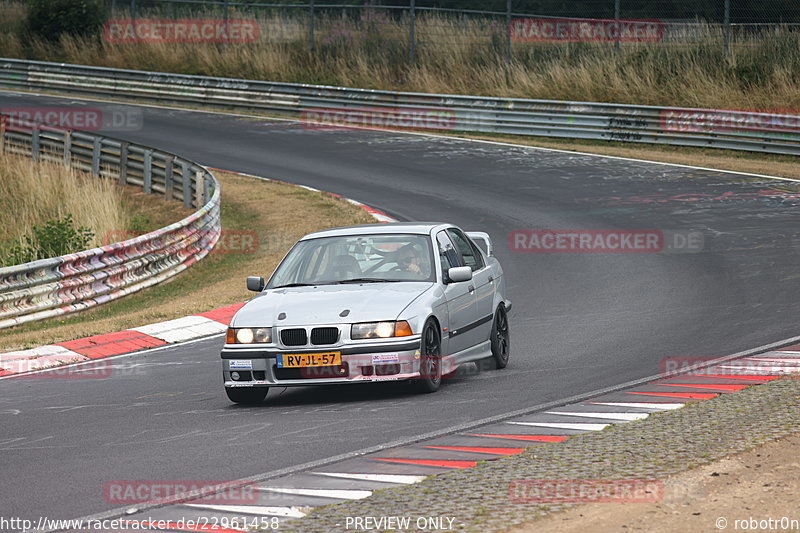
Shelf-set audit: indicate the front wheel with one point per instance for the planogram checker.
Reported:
(247, 396)
(500, 339)
(430, 360)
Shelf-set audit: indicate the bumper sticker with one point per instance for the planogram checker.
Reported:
(241, 364)
(379, 358)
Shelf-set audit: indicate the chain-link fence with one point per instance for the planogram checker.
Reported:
(507, 27)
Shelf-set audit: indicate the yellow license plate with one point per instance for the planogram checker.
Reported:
(302, 360)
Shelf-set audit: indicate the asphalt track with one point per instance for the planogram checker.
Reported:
(580, 321)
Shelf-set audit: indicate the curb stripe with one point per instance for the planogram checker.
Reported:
(490, 451)
(580, 426)
(749, 378)
(335, 494)
(287, 512)
(222, 315)
(532, 438)
(430, 462)
(687, 395)
(719, 387)
(660, 406)
(609, 416)
(99, 346)
(382, 478)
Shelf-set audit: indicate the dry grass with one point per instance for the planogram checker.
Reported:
(217, 280)
(465, 57)
(33, 193)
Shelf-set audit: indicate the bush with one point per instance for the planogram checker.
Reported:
(55, 238)
(49, 19)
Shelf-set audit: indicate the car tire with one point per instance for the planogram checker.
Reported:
(430, 359)
(247, 396)
(500, 339)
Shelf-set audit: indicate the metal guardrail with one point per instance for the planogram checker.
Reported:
(60, 285)
(777, 133)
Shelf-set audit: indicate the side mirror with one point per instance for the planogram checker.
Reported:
(459, 274)
(255, 283)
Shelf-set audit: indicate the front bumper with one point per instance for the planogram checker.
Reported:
(364, 363)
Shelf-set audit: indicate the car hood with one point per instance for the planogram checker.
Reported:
(324, 304)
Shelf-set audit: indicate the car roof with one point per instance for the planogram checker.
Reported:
(421, 228)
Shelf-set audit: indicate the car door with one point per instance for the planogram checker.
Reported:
(460, 297)
(482, 280)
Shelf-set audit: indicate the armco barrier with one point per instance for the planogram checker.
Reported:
(771, 132)
(51, 287)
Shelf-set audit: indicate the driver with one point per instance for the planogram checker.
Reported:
(409, 259)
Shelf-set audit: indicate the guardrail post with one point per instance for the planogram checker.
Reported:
(508, 39)
(123, 163)
(68, 148)
(169, 164)
(96, 156)
(225, 18)
(726, 29)
(311, 25)
(198, 189)
(147, 185)
(206, 189)
(411, 28)
(2, 134)
(35, 140)
(186, 176)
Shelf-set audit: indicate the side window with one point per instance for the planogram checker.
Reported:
(447, 253)
(472, 258)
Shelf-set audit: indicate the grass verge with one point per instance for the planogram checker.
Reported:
(278, 214)
(33, 193)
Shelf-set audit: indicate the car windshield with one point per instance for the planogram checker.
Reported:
(356, 259)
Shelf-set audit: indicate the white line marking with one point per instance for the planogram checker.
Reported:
(609, 416)
(287, 512)
(659, 406)
(120, 356)
(558, 425)
(323, 493)
(773, 359)
(761, 369)
(383, 478)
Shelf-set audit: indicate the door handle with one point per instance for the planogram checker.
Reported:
(491, 279)
(471, 288)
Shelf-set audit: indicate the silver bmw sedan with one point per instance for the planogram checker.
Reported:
(379, 302)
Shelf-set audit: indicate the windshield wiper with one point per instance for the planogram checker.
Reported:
(365, 280)
(297, 285)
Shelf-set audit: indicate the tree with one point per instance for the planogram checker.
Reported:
(49, 19)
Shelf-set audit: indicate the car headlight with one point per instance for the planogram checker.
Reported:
(380, 330)
(248, 335)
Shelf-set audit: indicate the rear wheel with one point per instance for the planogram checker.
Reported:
(500, 339)
(430, 360)
(247, 395)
